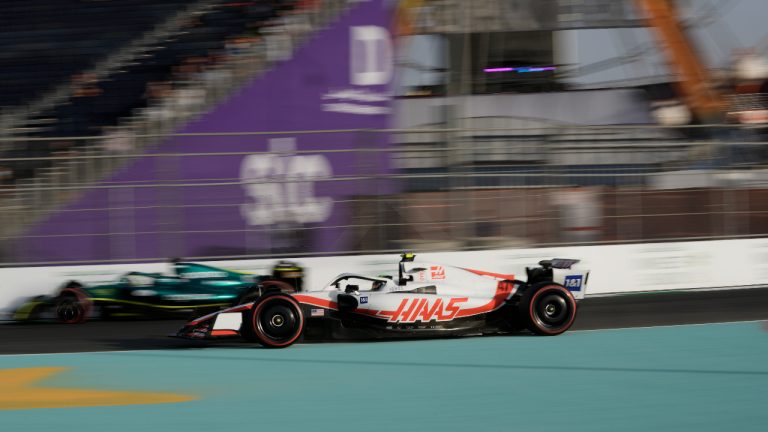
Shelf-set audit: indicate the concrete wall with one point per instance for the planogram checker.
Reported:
(615, 269)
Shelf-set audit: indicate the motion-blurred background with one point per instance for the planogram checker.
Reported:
(140, 130)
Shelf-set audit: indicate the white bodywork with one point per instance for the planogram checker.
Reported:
(432, 292)
(574, 278)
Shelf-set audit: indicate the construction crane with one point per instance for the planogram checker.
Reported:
(694, 84)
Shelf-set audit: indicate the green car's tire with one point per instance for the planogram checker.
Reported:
(72, 305)
(256, 291)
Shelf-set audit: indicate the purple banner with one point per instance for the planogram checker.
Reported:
(293, 199)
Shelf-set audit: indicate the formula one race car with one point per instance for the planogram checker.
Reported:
(193, 288)
(421, 300)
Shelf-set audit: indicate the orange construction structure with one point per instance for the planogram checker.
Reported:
(694, 84)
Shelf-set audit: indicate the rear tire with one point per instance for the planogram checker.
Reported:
(72, 306)
(275, 321)
(547, 309)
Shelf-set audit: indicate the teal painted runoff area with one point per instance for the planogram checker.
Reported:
(695, 378)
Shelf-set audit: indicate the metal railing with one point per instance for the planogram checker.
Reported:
(214, 197)
(60, 177)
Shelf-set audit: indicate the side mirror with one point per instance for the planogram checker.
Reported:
(351, 288)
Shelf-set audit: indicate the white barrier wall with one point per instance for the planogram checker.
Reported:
(615, 268)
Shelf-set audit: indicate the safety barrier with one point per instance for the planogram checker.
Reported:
(614, 268)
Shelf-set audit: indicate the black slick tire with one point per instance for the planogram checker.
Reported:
(72, 306)
(274, 321)
(547, 309)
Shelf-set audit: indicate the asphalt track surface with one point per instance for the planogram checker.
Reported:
(625, 311)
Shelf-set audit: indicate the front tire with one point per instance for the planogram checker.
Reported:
(547, 309)
(275, 321)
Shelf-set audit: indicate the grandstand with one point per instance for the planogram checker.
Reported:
(46, 44)
(141, 130)
(101, 63)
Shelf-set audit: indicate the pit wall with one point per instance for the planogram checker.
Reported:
(614, 268)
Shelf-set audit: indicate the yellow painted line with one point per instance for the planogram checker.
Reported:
(18, 391)
(237, 271)
(109, 300)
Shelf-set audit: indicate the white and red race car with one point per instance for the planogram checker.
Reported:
(421, 300)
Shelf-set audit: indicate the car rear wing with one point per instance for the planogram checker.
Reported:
(564, 271)
(559, 263)
(570, 274)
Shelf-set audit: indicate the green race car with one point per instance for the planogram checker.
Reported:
(192, 289)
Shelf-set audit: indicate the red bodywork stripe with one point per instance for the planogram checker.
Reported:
(331, 305)
(217, 333)
(503, 291)
(491, 274)
(240, 308)
(315, 301)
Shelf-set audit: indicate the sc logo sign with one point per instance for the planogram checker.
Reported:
(281, 187)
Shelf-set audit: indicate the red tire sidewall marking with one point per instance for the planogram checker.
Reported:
(82, 300)
(263, 338)
(572, 305)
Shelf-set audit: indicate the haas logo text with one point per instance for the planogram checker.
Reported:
(424, 310)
